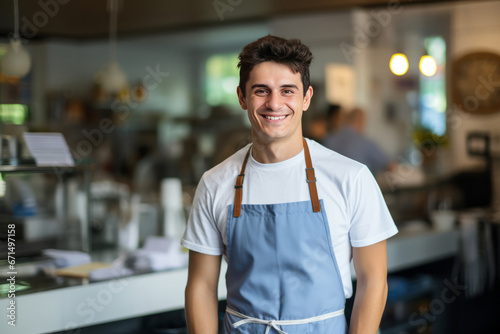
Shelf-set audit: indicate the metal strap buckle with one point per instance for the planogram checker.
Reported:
(242, 177)
(307, 177)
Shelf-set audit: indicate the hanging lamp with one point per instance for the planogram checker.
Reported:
(427, 65)
(16, 62)
(112, 78)
(399, 64)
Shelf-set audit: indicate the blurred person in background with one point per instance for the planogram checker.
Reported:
(317, 127)
(321, 124)
(348, 139)
(336, 117)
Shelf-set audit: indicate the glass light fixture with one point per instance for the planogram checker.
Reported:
(427, 65)
(112, 78)
(399, 64)
(16, 62)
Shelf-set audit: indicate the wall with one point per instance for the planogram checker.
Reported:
(327, 34)
(475, 27)
(466, 27)
(322, 33)
(374, 84)
(70, 66)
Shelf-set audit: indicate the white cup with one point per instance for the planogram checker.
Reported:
(443, 220)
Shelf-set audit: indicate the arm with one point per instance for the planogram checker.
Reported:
(201, 293)
(370, 263)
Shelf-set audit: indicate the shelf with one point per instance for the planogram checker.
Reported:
(83, 167)
(413, 288)
(16, 162)
(28, 165)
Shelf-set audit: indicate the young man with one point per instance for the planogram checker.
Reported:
(287, 214)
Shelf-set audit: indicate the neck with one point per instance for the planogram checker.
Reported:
(276, 150)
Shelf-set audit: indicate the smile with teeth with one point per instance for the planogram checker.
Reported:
(274, 118)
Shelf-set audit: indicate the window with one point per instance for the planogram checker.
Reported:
(433, 89)
(222, 78)
(13, 113)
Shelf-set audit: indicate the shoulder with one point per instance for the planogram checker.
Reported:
(225, 172)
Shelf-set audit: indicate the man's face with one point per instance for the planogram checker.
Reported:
(275, 101)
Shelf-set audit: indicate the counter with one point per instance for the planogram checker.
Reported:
(410, 249)
(88, 304)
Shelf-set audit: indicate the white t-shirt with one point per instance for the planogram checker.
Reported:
(355, 208)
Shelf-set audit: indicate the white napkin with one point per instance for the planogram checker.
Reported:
(159, 254)
(66, 258)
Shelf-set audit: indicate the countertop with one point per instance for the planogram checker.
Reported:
(88, 304)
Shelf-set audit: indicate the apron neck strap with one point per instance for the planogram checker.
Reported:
(238, 194)
(310, 179)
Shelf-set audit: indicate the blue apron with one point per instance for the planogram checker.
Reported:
(282, 275)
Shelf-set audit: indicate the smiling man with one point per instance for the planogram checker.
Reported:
(288, 215)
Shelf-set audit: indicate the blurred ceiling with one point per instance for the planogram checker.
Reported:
(89, 19)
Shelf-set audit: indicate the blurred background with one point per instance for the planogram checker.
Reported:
(144, 94)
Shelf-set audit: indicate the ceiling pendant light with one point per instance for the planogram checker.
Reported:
(399, 64)
(16, 62)
(112, 78)
(427, 65)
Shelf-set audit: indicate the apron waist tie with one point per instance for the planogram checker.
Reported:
(276, 323)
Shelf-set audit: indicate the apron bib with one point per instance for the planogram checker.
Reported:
(282, 275)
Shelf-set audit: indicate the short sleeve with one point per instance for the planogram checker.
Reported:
(371, 221)
(201, 234)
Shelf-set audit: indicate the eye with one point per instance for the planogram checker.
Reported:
(260, 91)
(288, 91)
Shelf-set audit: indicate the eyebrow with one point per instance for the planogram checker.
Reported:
(282, 86)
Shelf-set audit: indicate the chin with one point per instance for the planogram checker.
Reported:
(271, 137)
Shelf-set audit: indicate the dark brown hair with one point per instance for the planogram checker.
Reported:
(290, 52)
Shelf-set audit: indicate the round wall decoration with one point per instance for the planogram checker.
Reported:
(475, 83)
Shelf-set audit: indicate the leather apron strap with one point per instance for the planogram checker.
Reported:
(238, 194)
(310, 179)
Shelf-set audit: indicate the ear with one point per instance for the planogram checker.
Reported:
(241, 98)
(307, 98)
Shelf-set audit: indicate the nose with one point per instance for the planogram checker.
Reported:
(274, 101)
